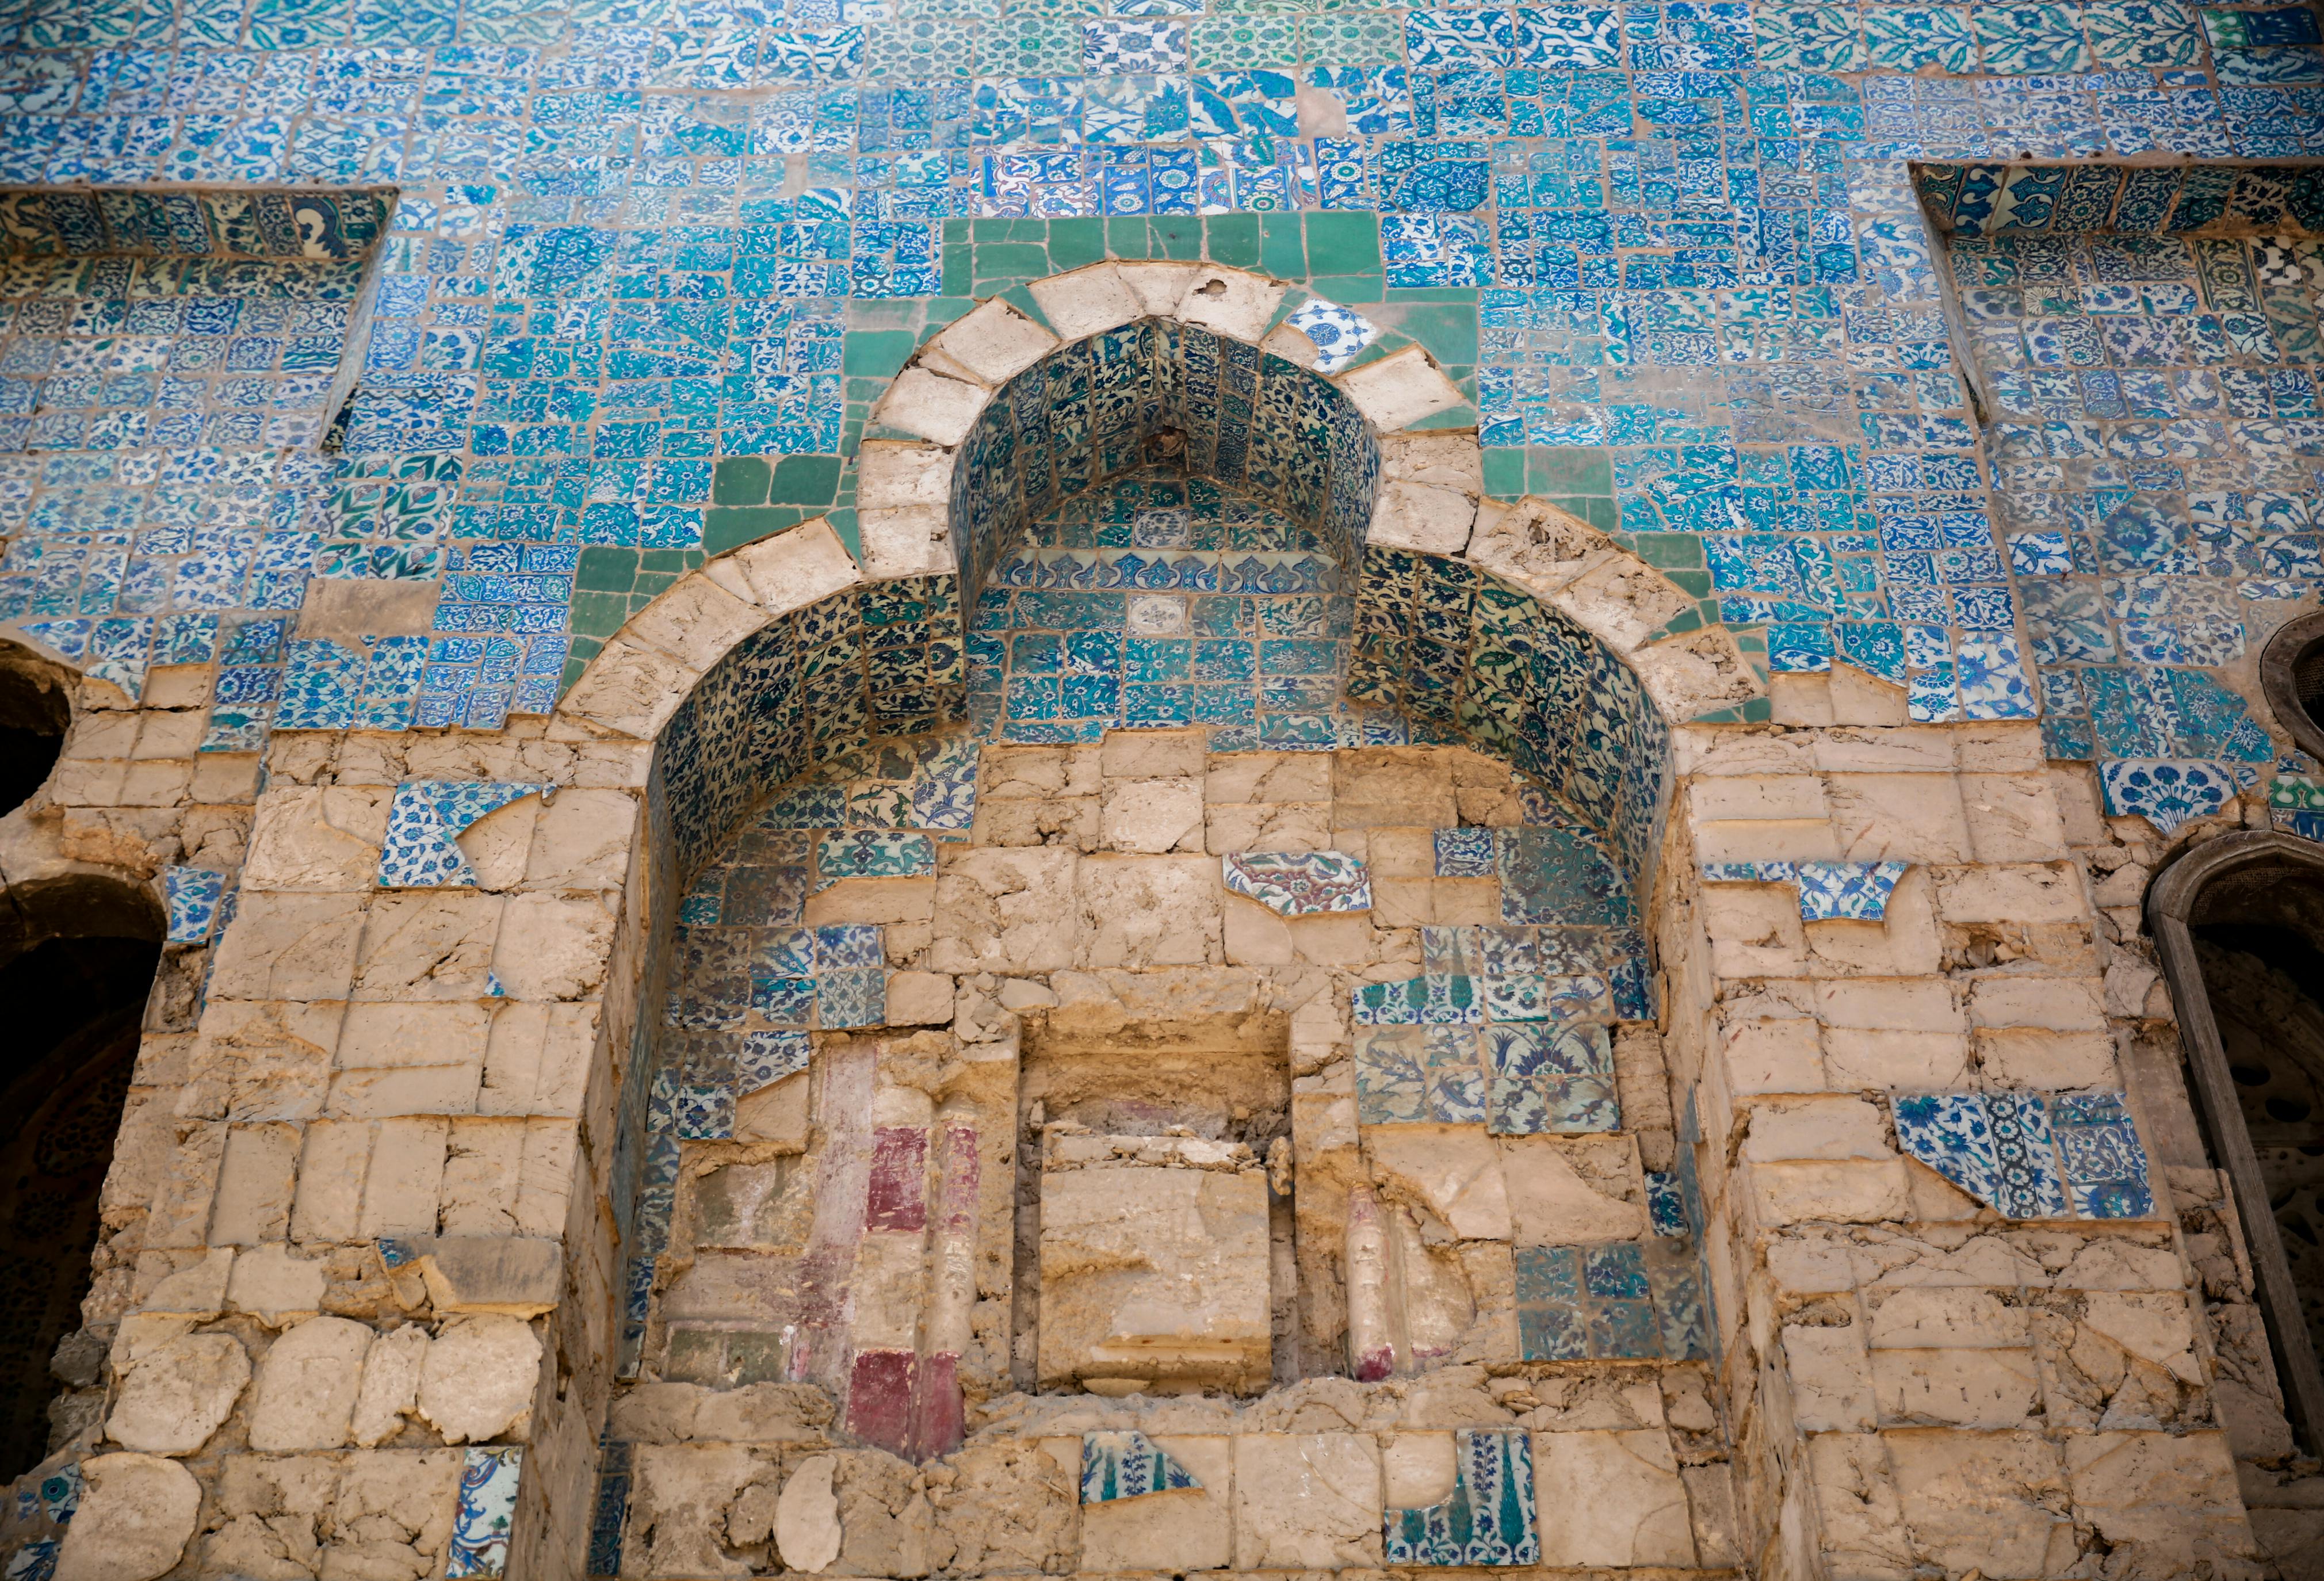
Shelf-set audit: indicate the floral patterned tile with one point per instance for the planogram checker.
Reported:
(1300, 884)
(1128, 1464)
(486, 1512)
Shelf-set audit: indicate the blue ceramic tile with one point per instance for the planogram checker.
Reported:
(1128, 1464)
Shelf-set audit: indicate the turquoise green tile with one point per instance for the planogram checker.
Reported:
(805, 480)
(738, 480)
(1075, 243)
(1343, 244)
(1282, 249)
(1233, 239)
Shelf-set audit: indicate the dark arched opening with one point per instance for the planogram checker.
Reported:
(34, 710)
(77, 961)
(2240, 920)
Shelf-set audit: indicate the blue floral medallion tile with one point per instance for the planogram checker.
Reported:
(1950, 1133)
(424, 822)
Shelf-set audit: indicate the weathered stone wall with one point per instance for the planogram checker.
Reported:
(374, 1298)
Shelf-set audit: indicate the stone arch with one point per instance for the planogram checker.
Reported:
(1511, 627)
(35, 711)
(1597, 652)
(2277, 882)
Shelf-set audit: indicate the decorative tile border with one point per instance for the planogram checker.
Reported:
(1300, 885)
(1828, 890)
(1489, 1521)
(486, 1513)
(424, 822)
(1128, 1464)
(2031, 1155)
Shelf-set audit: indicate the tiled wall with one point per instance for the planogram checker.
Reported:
(1674, 245)
(2146, 342)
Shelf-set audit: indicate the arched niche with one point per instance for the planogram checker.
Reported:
(35, 710)
(78, 954)
(2239, 923)
(801, 695)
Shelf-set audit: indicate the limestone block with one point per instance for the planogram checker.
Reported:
(1765, 839)
(298, 946)
(276, 1285)
(1296, 826)
(1710, 1499)
(1157, 286)
(1535, 545)
(1831, 1377)
(521, 1276)
(1757, 796)
(2058, 1004)
(422, 945)
(1399, 389)
(1857, 1507)
(679, 1508)
(581, 839)
(696, 622)
(918, 999)
(1422, 517)
(196, 1290)
(891, 475)
(1834, 1127)
(886, 1526)
(394, 1515)
(1448, 460)
(1624, 601)
(1152, 815)
(1087, 301)
(389, 1389)
(178, 1392)
(256, 1176)
(1136, 911)
(2012, 893)
(1231, 302)
(1157, 1274)
(1396, 787)
(1754, 930)
(1772, 1055)
(931, 406)
(1611, 1498)
(1889, 1004)
(1947, 1316)
(135, 1514)
(778, 1115)
(1981, 1388)
(1986, 1501)
(536, 1059)
(1845, 1192)
(1292, 345)
(423, 1090)
(262, 1059)
(317, 837)
(629, 688)
(2012, 817)
(796, 568)
(1899, 818)
(1688, 676)
(764, 1413)
(477, 1380)
(1902, 1061)
(553, 947)
(906, 540)
(1010, 1510)
(806, 1516)
(1306, 1501)
(1006, 911)
(307, 1384)
(995, 342)
(1252, 935)
(1454, 1170)
(1568, 1190)
(1186, 1529)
